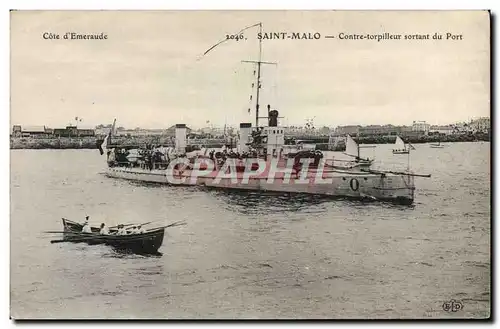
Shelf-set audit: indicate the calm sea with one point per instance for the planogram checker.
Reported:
(253, 256)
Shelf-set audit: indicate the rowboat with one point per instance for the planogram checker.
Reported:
(400, 151)
(143, 243)
(437, 145)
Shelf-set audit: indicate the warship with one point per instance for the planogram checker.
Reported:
(260, 162)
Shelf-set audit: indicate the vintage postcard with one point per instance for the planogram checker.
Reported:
(250, 165)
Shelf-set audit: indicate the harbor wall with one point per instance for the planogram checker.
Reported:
(92, 142)
(52, 143)
(322, 142)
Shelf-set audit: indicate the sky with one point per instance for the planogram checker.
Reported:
(150, 71)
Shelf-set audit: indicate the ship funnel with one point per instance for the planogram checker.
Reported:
(245, 133)
(273, 118)
(180, 138)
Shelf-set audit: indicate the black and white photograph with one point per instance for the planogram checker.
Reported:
(250, 164)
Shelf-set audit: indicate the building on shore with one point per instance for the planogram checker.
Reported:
(346, 130)
(373, 130)
(16, 131)
(46, 132)
(441, 130)
(421, 126)
(138, 132)
(30, 131)
(481, 125)
(417, 129)
(171, 131)
(209, 131)
(385, 130)
(73, 131)
(295, 131)
(102, 130)
(377, 131)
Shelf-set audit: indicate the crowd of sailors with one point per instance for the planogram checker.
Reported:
(148, 158)
(151, 157)
(104, 230)
(158, 158)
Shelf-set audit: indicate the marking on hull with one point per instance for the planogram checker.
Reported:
(354, 184)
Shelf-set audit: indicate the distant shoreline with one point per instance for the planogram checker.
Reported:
(86, 143)
(20, 143)
(477, 137)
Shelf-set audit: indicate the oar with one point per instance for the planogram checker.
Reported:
(163, 227)
(138, 224)
(78, 237)
(126, 225)
(82, 239)
(63, 232)
(179, 223)
(76, 240)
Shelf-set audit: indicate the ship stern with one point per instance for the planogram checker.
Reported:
(399, 189)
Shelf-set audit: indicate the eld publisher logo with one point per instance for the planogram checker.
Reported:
(453, 306)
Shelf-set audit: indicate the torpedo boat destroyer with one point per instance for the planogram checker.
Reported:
(260, 162)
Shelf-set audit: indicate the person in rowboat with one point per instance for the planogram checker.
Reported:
(137, 230)
(121, 230)
(104, 229)
(86, 228)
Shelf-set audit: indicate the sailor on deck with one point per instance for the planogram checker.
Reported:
(140, 230)
(104, 229)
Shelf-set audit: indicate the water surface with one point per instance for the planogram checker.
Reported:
(244, 255)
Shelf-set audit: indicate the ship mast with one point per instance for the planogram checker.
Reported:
(258, 78)
(259, 62)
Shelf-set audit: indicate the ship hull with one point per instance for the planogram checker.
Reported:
(141, 175)
(337, 184)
